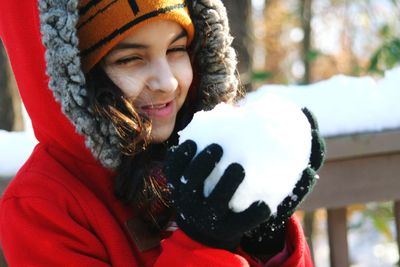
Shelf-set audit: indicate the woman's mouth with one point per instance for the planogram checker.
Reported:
(159, 110)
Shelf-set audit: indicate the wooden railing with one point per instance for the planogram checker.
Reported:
(359, 169)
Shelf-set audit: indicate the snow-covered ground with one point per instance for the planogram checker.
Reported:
(343, 105)
(15, 148)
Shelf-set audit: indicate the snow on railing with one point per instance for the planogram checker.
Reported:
(347, 105)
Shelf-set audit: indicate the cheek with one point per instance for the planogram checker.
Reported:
(130, 84)
(184, 73)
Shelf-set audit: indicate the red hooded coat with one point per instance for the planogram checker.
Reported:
(60, 209)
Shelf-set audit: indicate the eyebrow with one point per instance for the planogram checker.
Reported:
(122, 46)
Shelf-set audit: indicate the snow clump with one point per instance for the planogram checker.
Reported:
(267, 134)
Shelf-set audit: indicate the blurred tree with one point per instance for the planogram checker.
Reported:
(239, 13)
(276, 17)
(306, 15)
(10, 104)
(305, 41)
(350, 61)
(387, 55)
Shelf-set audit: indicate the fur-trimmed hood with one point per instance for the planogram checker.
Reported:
(41, 40)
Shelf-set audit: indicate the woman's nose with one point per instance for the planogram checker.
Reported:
(162, 77)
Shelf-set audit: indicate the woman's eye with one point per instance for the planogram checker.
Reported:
(177, 49)
(123, 61)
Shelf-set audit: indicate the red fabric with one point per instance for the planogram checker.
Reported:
(296, 252)
(60, 209)
(180, 250)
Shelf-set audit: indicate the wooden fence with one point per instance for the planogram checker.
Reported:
(359, 169)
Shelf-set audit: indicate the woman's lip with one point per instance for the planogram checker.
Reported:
(155, 105)
(162, 109)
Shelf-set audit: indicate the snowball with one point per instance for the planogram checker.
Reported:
(267, 134)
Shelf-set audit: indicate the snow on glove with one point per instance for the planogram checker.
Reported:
(208, 220)
(269, 236)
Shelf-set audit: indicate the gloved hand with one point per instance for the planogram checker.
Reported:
(208, 220)
(269, 236)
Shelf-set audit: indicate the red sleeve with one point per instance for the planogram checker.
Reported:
(37, 232)
(179, 250)
(296, 244)
(295, 253)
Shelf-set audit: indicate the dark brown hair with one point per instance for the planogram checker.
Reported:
(139, 181)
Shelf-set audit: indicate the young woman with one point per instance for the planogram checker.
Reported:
(107, 85)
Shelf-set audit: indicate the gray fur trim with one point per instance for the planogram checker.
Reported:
(59, 35)
(216, 65)
(216, 58)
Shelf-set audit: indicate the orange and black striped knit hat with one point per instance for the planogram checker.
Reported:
(104, 23)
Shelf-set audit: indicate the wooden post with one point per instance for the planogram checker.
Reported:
(308, 222)
(397, 220)
(337, 232)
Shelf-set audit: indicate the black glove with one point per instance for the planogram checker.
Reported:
(269, 236)
(208, 220)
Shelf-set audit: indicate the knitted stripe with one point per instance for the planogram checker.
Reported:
(127, 26)
(85, 6)
(105, 23)
(82, 23)
(134, 6)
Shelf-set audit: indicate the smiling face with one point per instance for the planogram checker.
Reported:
(153, 70)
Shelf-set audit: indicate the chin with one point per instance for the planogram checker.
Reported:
(160, 135)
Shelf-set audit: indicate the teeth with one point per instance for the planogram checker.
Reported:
(157, 106)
